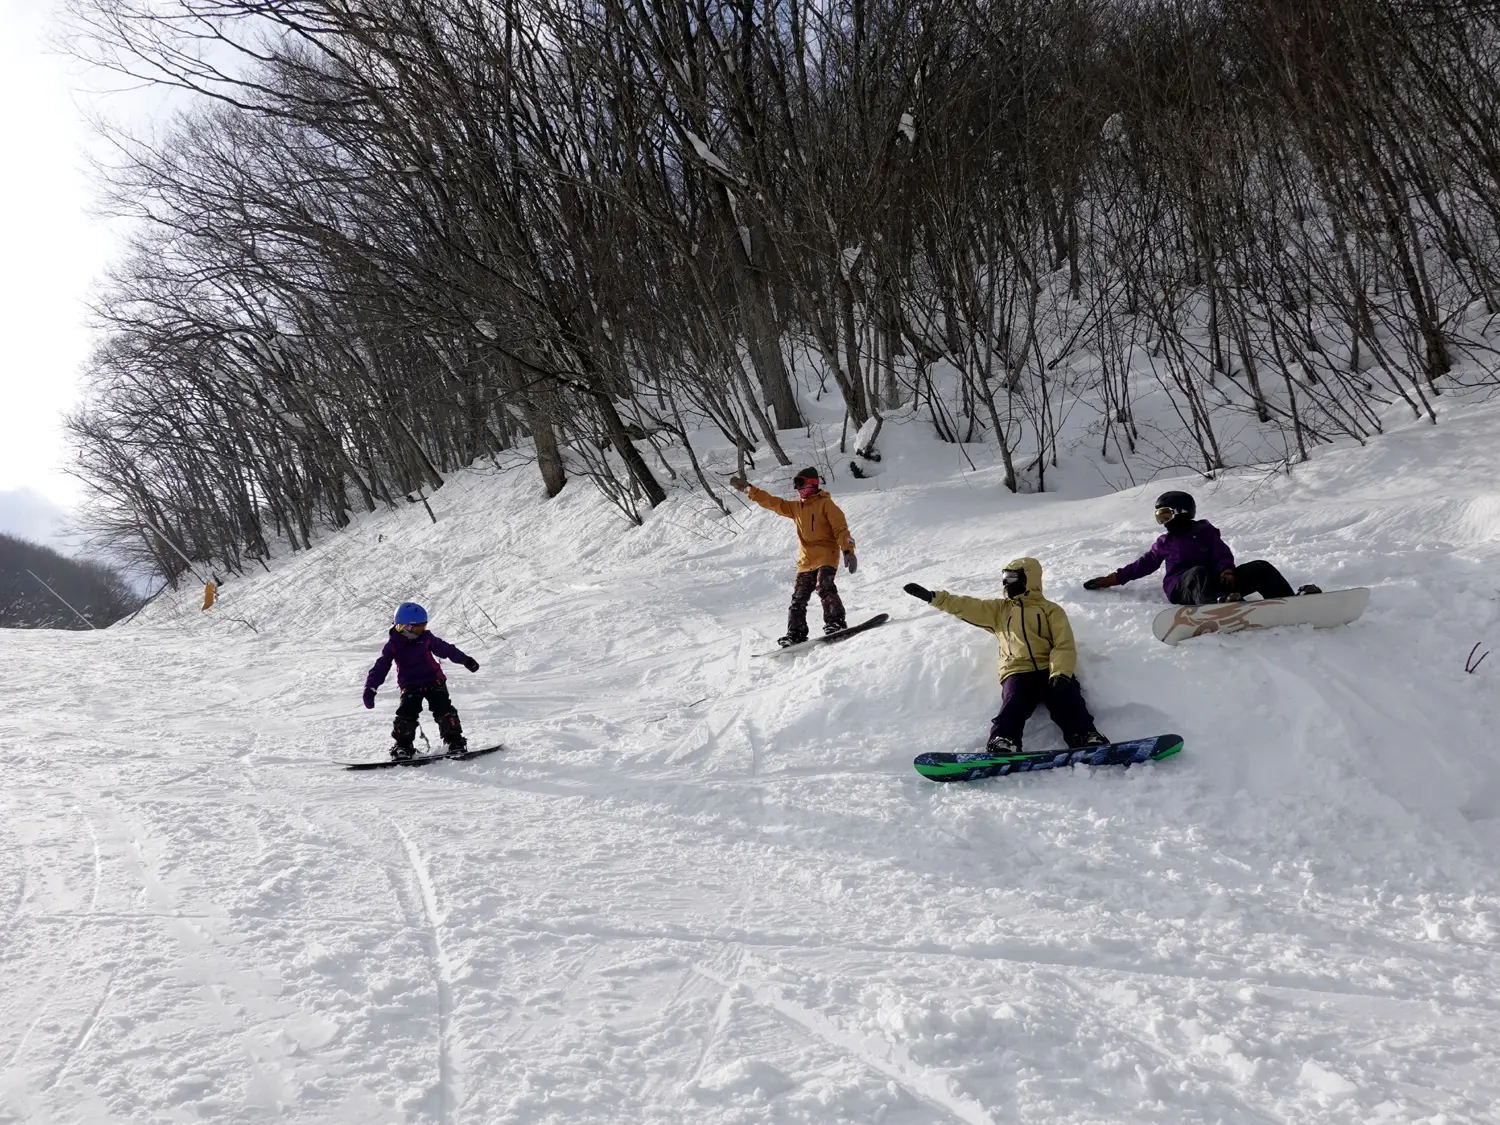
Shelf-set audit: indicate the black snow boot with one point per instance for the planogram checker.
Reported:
(404, 732)
(453, 733)
(1309, 589)
(789, 640)
(1085, 739)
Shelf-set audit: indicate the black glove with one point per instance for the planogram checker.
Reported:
(1062, 679)
(471, 664)
(370, 698)
(1103, 582)
(918, 591)
(739, 483)
(850, 561)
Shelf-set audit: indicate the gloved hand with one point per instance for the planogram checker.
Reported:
(370, 698)
(738, 483)
(1061, 680)
(918, 591)
(1226, 576)
(850, 561)
(471, 664)
(1103, 582)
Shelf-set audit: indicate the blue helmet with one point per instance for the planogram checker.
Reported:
(410, 613)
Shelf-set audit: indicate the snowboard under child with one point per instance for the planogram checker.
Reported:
(1037, 656)
(419, 676)
(1200, 566)
(822, 534)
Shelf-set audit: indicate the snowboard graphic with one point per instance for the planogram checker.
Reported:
(1321, 611)
(972, 767)
(420, 759)
(878, 619)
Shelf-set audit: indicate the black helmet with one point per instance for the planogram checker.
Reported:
(1171, 506)
(806, 476)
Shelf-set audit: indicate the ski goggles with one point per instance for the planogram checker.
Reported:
(411, 630)
(1166, 515)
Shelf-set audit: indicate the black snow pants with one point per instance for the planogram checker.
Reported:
(404, 731)
(1020, 692)
(1201, 585)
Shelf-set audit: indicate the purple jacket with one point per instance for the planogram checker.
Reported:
(416, 661)
(1197, 545)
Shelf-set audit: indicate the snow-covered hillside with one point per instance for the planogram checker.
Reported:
(704, 887)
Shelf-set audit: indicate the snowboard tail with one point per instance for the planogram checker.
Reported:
(972, 767)
(421, 759)
(1321, 611)
(843, 634)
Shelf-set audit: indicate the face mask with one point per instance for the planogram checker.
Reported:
(1014, 582)
(808, 490)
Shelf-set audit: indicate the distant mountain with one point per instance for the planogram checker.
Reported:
(26, 514)
(27, 570)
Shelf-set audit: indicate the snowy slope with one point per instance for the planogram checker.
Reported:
(704, 887)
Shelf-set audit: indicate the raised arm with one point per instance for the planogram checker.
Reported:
(772, 503)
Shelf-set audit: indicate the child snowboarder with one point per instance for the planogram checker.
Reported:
(1200, 565)
(1037, 656)
(822, 533)
(415, 652)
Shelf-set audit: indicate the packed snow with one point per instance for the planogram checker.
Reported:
(702, 886)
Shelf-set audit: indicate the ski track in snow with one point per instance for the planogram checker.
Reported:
(702, 887)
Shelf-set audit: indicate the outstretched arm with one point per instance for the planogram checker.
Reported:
(983, 612)
(771, 503)
(1149, 562)
(442, 648)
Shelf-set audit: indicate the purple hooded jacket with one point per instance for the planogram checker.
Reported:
(416, 661)
(1198, 544)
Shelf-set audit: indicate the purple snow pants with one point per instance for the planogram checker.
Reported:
(1020, 693)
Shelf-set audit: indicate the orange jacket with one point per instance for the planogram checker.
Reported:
(822, 531)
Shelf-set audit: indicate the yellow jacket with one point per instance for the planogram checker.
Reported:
(822, 531)
(1034, 633)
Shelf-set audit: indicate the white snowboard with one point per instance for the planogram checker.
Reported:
(1321, 611)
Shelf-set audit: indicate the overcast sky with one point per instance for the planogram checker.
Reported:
(53, 249)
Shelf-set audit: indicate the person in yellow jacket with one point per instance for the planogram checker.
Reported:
(822, 534)
(1037, 656)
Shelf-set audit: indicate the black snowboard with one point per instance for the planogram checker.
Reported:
(878, 619)
(420, 760)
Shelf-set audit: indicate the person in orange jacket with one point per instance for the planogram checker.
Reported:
(822, 533)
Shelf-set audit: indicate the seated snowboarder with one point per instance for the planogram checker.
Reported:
(1200, 565)
(1037, 656)
(420, 677)
(822, 533)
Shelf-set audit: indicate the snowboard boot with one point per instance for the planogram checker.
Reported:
(789, 640)
(1309, 589)
(834, 627)
(1000, 746)
(453, 734)
(1085, 739)
(404, 731)
(1232, 597)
